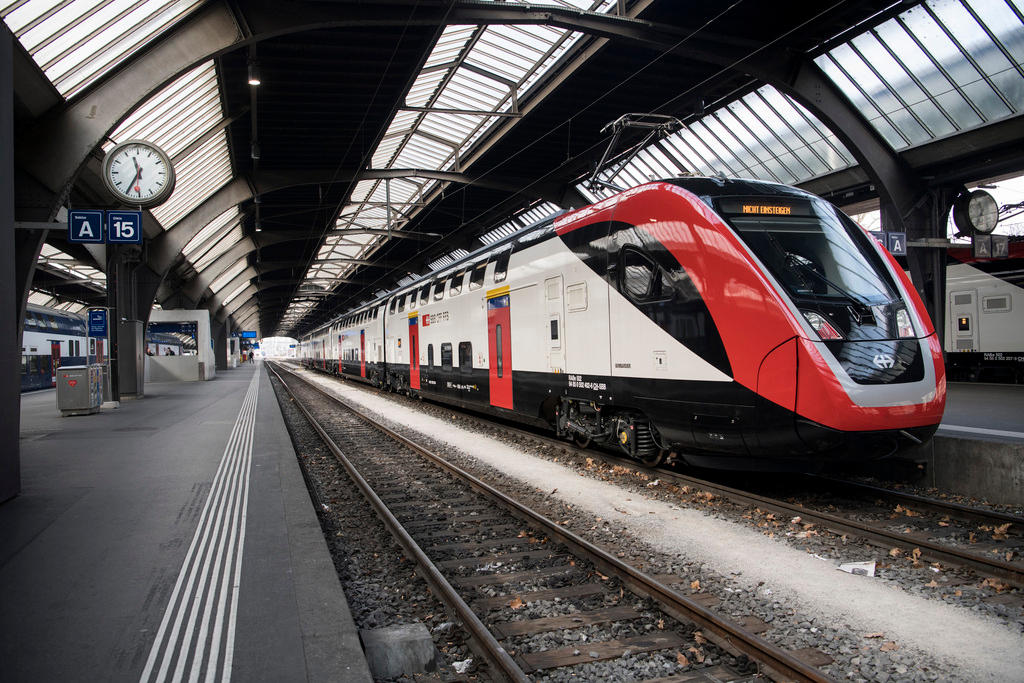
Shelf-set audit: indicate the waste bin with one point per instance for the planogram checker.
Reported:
(79, 389)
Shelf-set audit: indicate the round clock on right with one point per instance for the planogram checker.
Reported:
(974, 212)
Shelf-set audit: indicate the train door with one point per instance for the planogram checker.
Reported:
(341, 352)
(55, 361)
(414, 351)
(362, 353)
(963, 321)
(499, 347)
(554, 331)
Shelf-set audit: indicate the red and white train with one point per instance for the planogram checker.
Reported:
(736, 323)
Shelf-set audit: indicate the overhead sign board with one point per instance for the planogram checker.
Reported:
(119, 227)
(248, 334)
(98, 322)
(85, 227)
(124, 227)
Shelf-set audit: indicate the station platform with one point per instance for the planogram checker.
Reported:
(984, 411)
(171, 538)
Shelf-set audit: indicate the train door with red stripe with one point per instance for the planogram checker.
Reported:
(499, 347)
(414, 350)
(55, 356)
(362, 353)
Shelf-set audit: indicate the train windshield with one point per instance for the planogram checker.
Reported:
(815, 251)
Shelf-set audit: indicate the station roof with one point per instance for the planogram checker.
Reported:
(387, 139)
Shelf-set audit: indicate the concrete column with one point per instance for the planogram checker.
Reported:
(10, 344)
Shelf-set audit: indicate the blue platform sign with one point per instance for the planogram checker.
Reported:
(85, 227)
(248, 334)
(124, 227)
(97, 322)
(896, 243)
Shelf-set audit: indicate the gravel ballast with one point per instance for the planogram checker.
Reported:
(874, 629)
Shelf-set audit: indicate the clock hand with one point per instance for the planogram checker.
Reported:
(138, 175)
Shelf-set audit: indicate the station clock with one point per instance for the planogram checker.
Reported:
(138, 173)
(975, 212)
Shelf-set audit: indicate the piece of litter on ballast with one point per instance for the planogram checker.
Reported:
(858, 568)
(463, 666)
(489, 566)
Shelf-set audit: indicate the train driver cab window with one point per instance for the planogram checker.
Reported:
(438, 289)
(424, 294)
(640, 278)
(476, 280)
(430, 355)
(466, 357)
(501, 265)
(446, 356)
(457, 282)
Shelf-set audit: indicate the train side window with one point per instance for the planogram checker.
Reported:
(401, 303)
(424, 294)
(466, 357)
(430, 355)
(438, 289)
(476, 280)
(501, 266)
(391, 310)
(446, 356)
(457, 282)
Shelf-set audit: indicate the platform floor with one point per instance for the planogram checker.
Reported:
(170, 538)
(993, 412)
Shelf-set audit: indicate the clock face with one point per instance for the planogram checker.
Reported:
(138, 173)
(983, 212)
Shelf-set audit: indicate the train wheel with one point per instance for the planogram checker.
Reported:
(654, 459)
(581, 440)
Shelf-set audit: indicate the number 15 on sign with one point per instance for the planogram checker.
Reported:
(124, 227)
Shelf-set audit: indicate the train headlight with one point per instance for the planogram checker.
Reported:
(904, 328)
(822, 326)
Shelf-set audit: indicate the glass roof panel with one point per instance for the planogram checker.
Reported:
(229, 274)
(474, 69)
(238, 290)
(200, 174)
(215, 226)
(939, 67)
(53, 259)
(204, 258)
(76, 42)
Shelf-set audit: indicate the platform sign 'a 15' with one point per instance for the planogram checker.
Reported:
(124, 227)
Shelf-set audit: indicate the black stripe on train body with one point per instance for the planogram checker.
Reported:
(614, 338)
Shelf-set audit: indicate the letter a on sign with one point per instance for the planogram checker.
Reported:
(85, 226)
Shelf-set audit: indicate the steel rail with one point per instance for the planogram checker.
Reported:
(964, 512)
(842, 525)
(487, 645)
(777, 661)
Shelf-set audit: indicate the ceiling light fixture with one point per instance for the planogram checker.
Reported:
(254, 73)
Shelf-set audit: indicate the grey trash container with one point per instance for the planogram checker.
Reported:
(79, 389)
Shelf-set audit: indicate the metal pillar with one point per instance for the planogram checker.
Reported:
(219, 334)
(127, 333)
(10, 344)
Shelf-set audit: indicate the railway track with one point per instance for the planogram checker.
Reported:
(487, 556)
(928, 529)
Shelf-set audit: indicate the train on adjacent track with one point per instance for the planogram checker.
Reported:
(738, 324)
(985, 316)
(51, 338)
